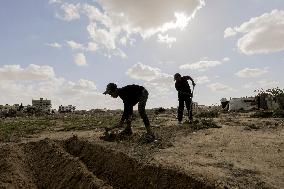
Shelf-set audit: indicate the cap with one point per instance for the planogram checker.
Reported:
(110, 88)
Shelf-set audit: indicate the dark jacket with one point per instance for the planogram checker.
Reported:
(130, 96)
(182, 85)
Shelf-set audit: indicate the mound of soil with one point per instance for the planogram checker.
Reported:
(123, 171)
(75, 163)
(43, 164)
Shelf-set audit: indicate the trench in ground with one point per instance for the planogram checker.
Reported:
(75, 163)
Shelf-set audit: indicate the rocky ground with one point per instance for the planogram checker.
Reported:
(239, 152)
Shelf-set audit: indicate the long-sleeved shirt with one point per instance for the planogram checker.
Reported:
(182, 85)
(130, 96)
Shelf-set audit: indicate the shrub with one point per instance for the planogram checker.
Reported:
(262, 114)
(199, 124)
(279, 113)
(275, 93)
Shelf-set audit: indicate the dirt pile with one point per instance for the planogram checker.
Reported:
(122, 171)
(43, 164)
(53, 167)
(14, 168)
(77, 163)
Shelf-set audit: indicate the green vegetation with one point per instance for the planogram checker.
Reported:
(275, 93)
(269, 114)
(11, 129)
(199, 124)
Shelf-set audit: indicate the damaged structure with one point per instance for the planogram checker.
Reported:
(42, 105)
(65, 109)
(251, 103)
(244, 103)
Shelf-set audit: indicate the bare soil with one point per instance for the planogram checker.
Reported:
(244, 153)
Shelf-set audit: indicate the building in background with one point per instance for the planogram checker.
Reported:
(64, 109)
(244, 103)
(42, 105)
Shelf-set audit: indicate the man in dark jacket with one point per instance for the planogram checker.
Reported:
(184, 95)
(131, 95)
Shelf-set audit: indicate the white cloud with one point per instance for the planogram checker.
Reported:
(103, 37)
(202, 79)
(159, 84)
(82, 93)
(81, 86)
(24, 84)
(263, 34)
(219, 87)
(268, 83)
(229, 32)
(96, 15)
(75, 45)
(143, 72)
(70, 12)
(32, 72)
(166, 39)
(117, 21)
(226, 59)
(120, 53)
(150, 16)
(92, 47)
(80, 59)
(123, 41)
(251, 72)
(201, 65)
(161, 90)
(54, 45)
(55, 1)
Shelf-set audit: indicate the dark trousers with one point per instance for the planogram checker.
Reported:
(184, 99)
(141, 109)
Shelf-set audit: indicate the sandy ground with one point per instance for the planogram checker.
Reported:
(245, 153)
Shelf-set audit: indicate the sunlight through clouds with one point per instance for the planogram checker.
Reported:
(116, 21)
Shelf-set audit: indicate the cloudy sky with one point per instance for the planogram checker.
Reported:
(69, 50)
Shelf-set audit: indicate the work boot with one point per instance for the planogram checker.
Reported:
(188, 121)
(126, 132)
(148, 137)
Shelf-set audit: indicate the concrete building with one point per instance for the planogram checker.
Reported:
(64, 109)
(244, 103)
(253, 103)
(41, 104)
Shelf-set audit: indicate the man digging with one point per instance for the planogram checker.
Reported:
(184, 95)
(131, 95)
